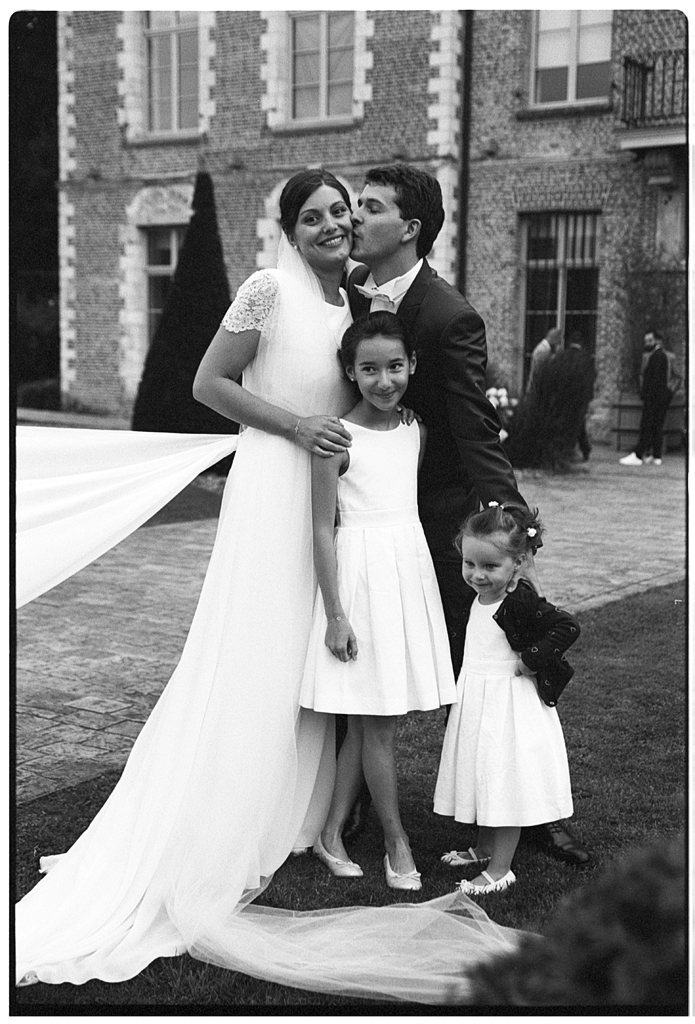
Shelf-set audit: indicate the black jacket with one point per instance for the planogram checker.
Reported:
(655, 377)
(464, 460)
(540, 633)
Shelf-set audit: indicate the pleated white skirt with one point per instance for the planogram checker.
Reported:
(503, 759)
(390, 595)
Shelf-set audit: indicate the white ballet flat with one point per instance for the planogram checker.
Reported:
(48, 862)
(500, 885)
(455, 860)
(410, 880)
(339, 868)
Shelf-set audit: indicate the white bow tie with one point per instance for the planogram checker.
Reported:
(373, 293)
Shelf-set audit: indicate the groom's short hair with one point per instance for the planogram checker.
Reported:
(418, 196)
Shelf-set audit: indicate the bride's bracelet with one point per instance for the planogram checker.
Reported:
(296, 428)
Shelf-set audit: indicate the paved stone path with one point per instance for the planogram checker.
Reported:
(94, 653)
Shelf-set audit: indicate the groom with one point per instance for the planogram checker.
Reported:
(399, 215)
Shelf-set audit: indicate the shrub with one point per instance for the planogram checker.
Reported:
(39, 394)
(619, 941)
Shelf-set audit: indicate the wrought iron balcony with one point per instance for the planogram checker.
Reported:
(655, 89)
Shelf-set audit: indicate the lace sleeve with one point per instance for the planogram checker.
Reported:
(253, 303)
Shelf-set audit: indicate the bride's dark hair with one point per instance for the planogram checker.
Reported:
(299, 188)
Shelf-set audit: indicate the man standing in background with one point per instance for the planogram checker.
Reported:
(543, 351)
(656, 398)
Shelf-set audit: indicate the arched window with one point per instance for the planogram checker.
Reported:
(155, 224)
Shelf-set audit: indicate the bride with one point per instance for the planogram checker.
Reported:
(229, 775)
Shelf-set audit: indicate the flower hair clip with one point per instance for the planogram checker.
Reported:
(493, 504)
(531, 531)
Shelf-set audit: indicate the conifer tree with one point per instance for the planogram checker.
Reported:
(198, 299)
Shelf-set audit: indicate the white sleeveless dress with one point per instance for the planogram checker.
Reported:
(388, 589)
(503, 759)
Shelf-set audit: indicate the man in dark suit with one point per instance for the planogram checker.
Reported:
(656, 397)
(578, 367)
(398, 217)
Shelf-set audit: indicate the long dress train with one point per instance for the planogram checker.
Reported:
(228, 774)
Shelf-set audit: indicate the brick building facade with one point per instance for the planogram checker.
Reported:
(609, 177)
(145, 100)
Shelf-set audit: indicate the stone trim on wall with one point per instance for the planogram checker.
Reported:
(268, 229)
(561, 196)
(166, 206)
(206, 70)
(444, 85)
(67, 255)
(132, 78)
(66, 210)
(444, 113)
(444, 255)
(275, 72)
(66, 97)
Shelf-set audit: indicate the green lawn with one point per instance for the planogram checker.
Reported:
(625, 725)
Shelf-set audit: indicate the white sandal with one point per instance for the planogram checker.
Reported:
(455, 860)
(500, 885)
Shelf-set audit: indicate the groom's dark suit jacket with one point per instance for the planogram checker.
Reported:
(464, 461)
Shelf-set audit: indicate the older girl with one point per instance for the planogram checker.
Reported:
(379, 645)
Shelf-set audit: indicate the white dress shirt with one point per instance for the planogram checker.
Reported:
(389, 295)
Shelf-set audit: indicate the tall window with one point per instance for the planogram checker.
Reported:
(573, 56)
(171, 39)
(322, 61)
(163, 247)
(561, 256)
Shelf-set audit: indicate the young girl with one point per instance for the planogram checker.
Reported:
(503, 762)
(379, 645)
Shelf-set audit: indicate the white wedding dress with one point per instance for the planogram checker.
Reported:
(228, 774)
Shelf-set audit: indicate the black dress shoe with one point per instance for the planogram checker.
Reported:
(556, 837)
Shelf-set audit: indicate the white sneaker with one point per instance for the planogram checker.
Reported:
(647, 460)
(630, 460)
(657, 462)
